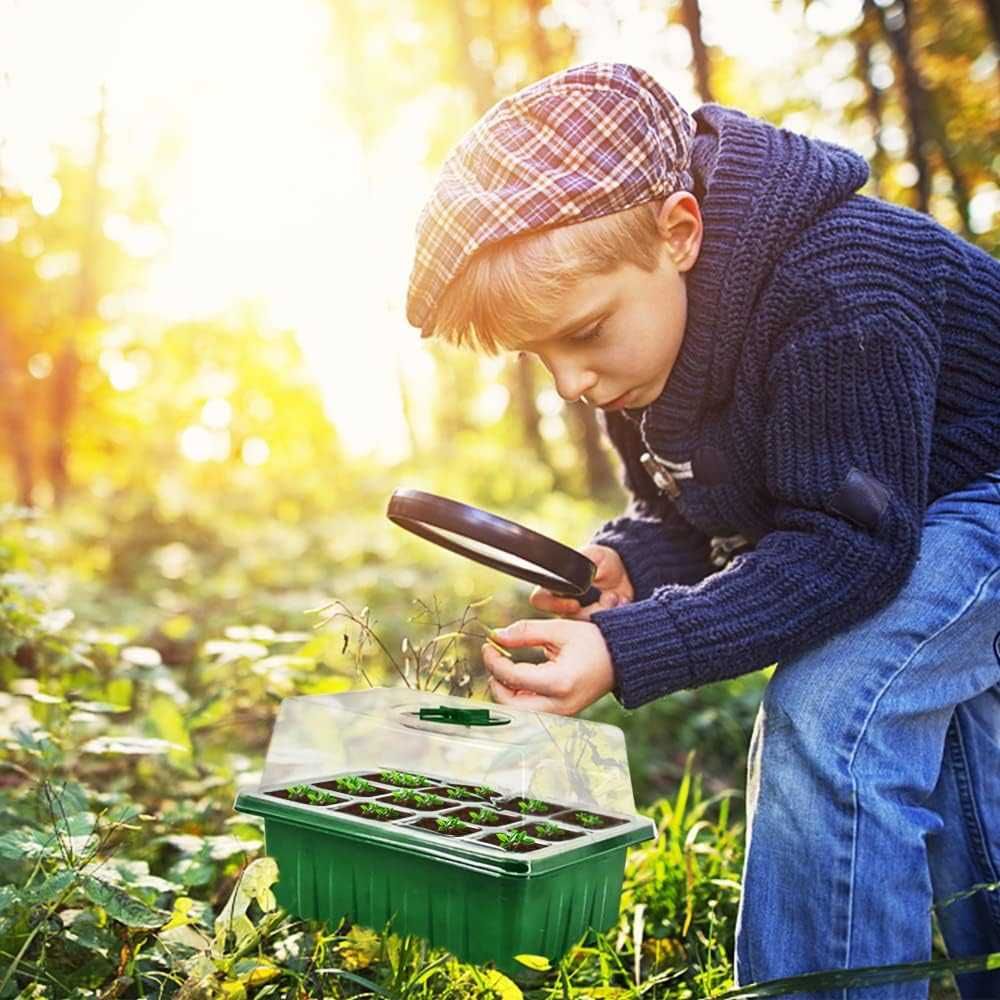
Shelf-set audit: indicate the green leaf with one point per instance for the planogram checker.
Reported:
(99, 707)
(26, 843)
(225, 846)
(8, 897)
(52, 888)
(84, 929)
(537, 962)
(168, 723)
(70, 797)
(120, 906)
(192, 871)
(129, 745)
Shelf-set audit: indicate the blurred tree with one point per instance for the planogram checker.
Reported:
(896, 24)
(865, 36)
(691, 17)
(66, 369)
(13, 415)
(991, 9)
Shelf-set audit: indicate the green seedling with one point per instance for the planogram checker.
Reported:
(356, 786)
(484, 816)
(402, 778)
(514, 838)
(549, 830)
(314, 796)
(421, 799)
(588, 819)
(447, 823)
(374, 809)
(531, 806)
(485, 792)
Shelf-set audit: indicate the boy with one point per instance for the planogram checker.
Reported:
(801, 382)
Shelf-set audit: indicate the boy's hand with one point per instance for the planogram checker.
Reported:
(610, 578)
(578, 671)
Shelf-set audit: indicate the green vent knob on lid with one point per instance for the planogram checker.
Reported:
(462, 716)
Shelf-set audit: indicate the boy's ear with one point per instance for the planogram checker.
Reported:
(680, 226)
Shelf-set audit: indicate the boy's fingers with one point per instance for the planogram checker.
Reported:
(545, 600)
(549, 632)
(532, 676)
(528, 700)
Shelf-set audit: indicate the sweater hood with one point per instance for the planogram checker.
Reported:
(759, 188)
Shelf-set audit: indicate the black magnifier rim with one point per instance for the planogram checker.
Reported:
(569, 572)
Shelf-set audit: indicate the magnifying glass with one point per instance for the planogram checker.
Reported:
(496, 542)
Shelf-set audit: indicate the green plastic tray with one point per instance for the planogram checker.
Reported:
(476, 900)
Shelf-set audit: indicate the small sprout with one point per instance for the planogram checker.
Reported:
(531, 805)
(374, 809)
(427, 801)
(484, 816)
(447, 823)
(514, 838)
(356, 786)
(548, 830)
(314, 796)
(318, 797)
(484, 791)
(421, 799)
(402, 778)
(588, 819)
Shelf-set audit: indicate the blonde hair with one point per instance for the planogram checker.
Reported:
(513, 289)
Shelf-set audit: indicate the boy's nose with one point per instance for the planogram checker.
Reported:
(572, 385)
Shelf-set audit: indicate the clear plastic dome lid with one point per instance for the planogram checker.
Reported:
(451, 740)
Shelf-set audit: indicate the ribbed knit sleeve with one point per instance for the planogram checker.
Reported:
(655, 543)
(857, 398)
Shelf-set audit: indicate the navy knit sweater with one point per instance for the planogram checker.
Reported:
(827, 332)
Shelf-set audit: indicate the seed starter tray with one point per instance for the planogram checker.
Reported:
(559, 873)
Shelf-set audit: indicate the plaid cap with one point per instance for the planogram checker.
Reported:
(579, 144)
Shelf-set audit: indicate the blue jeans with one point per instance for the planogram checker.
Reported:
(873, 788)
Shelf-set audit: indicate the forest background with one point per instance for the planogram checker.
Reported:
(208, 392)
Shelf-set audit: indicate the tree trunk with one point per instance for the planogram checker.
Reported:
(478, 82)
(896, 27)
(406, 405)
(991, 8)
(926, 123)
(12, 419)
(601, 478)
(863, 41)
(691, 16)
(523, 389)
(63, 382)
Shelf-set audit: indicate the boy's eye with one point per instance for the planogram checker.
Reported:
(592, 334)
